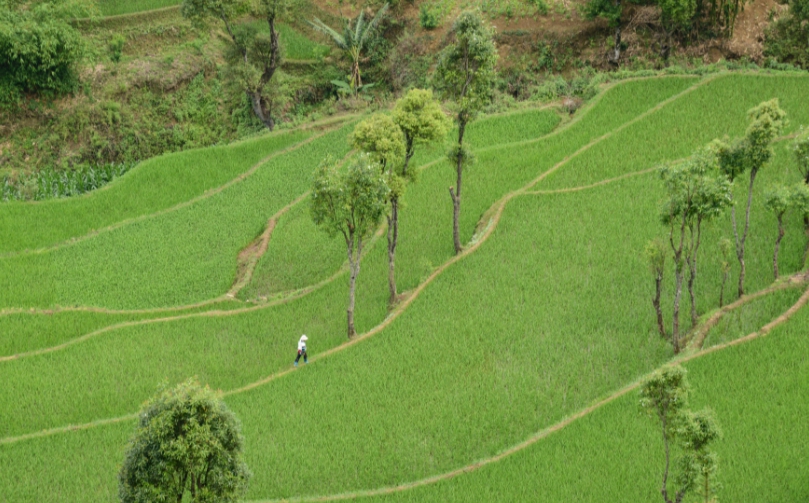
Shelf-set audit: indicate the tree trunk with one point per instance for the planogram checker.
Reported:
(393, 238)
(354, 268)
(258, 108)
(456, 193)
(778, 244)
(616, 53)
(678, 290)
(806, 234)
(692, 271)
(656, 302)
(664, 489)
(740, 248)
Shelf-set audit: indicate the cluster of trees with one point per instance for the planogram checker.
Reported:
(700, 188)
(716, 17)
(664, 396)
(39, 48)
(351, 202)
(788, 39)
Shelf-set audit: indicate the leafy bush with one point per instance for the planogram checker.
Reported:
(428, 17)
(787, 40)
(50, 184)
(39, 51)
(116, 47)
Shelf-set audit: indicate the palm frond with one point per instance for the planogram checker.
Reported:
(339, 40)
(371, 25)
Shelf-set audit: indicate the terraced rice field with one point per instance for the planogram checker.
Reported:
(506, 373)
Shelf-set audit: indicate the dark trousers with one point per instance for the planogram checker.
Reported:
(302, 353)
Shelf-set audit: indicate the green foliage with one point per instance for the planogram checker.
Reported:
(800, 148)
(418, 114)
(39, 49)
(187, 444)
(466, 68)
(664, 396)
(116, 47)
(351, 201)
(776, 200)
(677, 14)
(382, 139)
(787, 39)
(55, 184)
(354, 40)
(655, 253)
(607, 9)
(428, 17)
(695, 190)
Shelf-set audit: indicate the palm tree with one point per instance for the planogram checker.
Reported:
(353, 40)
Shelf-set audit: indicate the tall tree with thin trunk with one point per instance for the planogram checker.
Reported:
(697, 193)
(699, 464)
(800, 148)
(382, 139)
(349, 202)
(725, 248)
(656, 257)
(777, 200)
(664, 395)
(799, 201)
(466, 75)
(253, 56)
(612, 11)
(752, 152)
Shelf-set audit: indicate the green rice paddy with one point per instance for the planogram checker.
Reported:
(546, 314)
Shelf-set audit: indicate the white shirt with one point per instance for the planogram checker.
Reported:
(301, 344)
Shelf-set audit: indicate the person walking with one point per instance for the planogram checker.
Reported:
(302, 350)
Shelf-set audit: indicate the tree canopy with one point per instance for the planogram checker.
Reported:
(187, 447)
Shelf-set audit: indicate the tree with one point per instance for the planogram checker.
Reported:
(187, 447)
(656, 256)
(697, 193)
(725, 246)
(39, 47)
(349, 203)
(799, 200)
(418, 114)
(353, 41)
(777, 200)
(382, 139)
(674, 15)
(466, 74)
(699, 465)
(664, 395)
(752, 152)
(800, 148)
(253, 56)
(612, 11)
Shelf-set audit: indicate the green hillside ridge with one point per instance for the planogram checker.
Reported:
(546, 313)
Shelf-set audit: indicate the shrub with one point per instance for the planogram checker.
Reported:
(116, 47)
(428, 17)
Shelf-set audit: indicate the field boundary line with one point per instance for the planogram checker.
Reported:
(591, 186)
(584, 111)
(478, 238)
(545, 432)
(205, 195)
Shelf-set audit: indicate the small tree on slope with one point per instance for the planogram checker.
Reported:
(697, 193)
(466, 75)
(752, 152)
(187, 447)
(656, 257)
(253, 57)
(382, 139)
(664, 396)
(350, 203)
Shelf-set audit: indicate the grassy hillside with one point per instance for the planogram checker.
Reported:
(544, 314)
